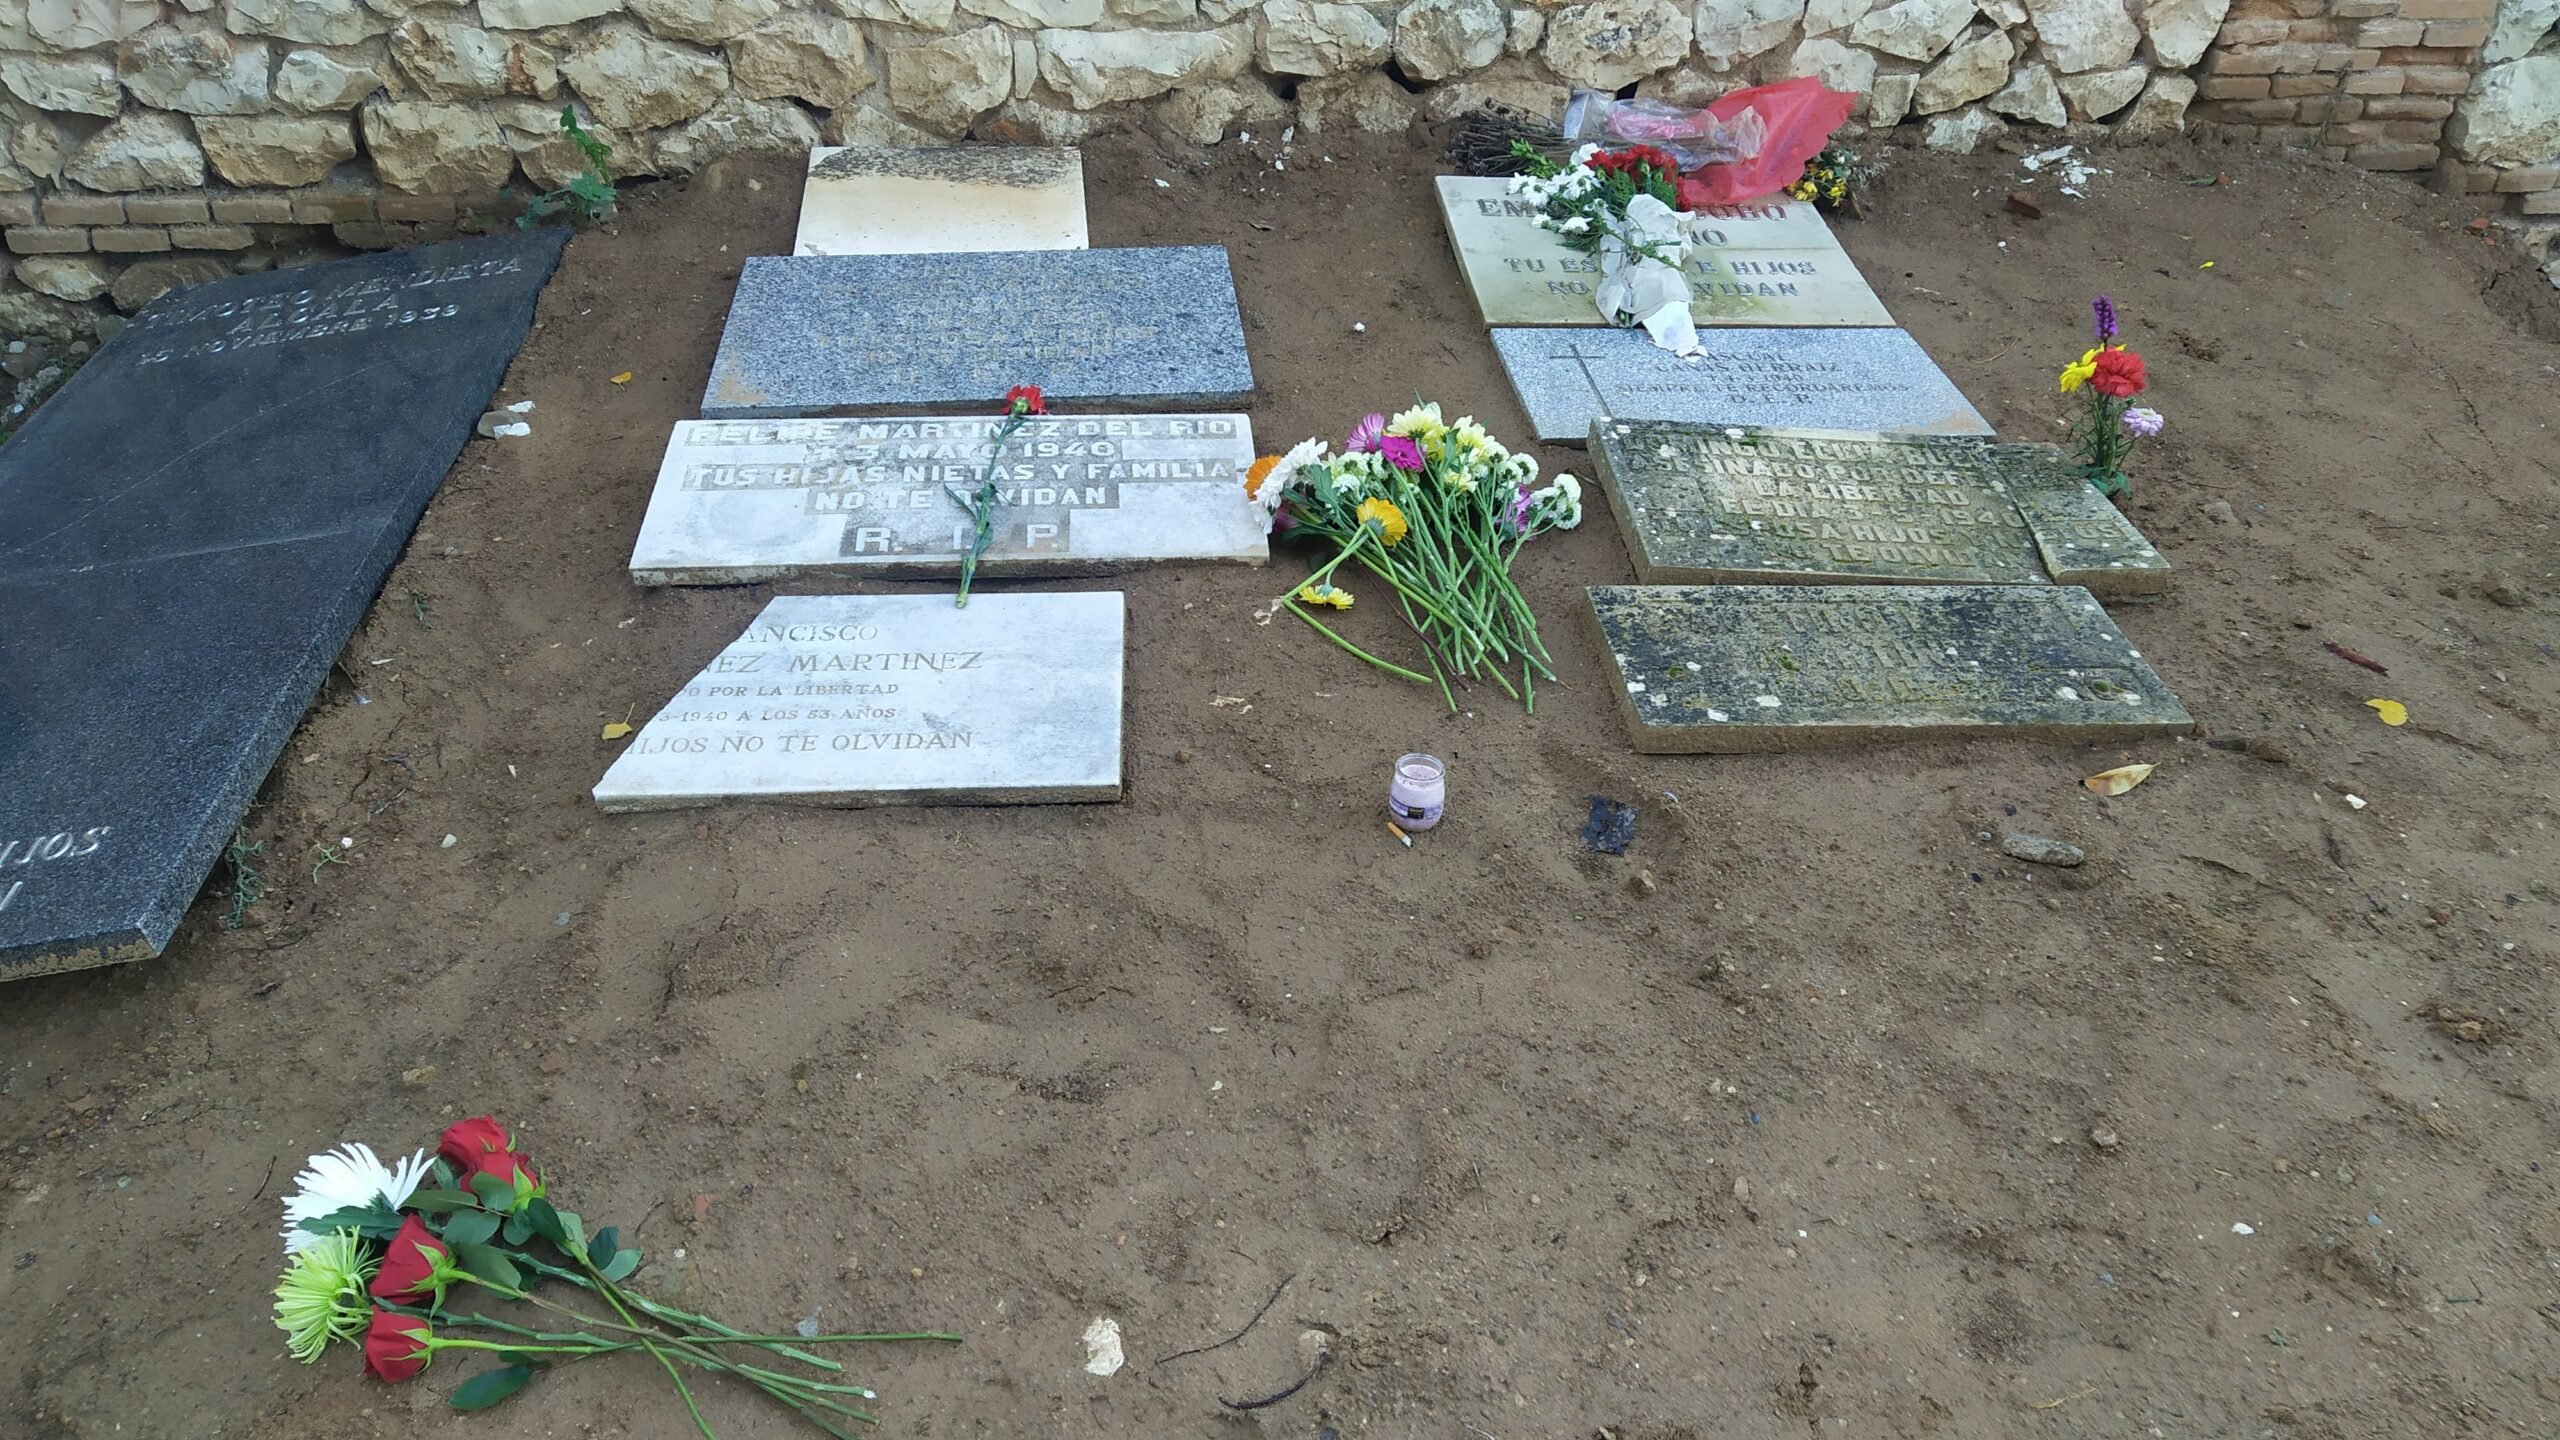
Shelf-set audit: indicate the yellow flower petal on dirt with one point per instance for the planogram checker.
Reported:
(1391, 523)
(616, 730)
(2118, 780)
(2391, 711)
(622, 379)
(1326, 594)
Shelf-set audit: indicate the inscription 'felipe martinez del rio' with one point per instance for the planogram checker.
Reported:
(745, 500)
(893, 699)
(181, 331)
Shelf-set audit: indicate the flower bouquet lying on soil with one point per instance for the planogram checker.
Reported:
(377, 1254)
(1438, 510)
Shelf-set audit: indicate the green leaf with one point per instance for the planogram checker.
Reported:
(600, 1250)
(545, 1221)
(489, 1263)
(518, 1229)
(490, 1386)
(622, 1263)
(436, 1202)
(441, 1173)
(373, 1222)
(470, 1227)
(495, 1194)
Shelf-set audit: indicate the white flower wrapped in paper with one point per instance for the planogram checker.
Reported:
(1640, 275)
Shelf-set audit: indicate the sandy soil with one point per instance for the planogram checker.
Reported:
(1780, 1125)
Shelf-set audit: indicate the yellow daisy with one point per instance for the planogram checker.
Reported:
(1391, 523)
(1325, 594)
(2077, 373)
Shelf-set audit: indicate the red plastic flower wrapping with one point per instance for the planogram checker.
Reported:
(2119, 374)
(408, 1273)
(395, 1347)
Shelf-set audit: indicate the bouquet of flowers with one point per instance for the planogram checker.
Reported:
(1835, 179)
(1621, 205)
(375, 1255)
(1438, 509)
(2112, 375)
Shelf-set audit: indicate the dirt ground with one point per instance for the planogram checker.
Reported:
(1779, 1125)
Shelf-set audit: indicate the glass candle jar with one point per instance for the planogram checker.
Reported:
(1419, 790)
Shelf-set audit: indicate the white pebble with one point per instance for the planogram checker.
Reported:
(1357, 328)
(448, 842)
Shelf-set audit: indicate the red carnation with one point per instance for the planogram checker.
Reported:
(2119, 374)
(1024, 400)
(396, 1347)
(409, 1268)
(1629, 158)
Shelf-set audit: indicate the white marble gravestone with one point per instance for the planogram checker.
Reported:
(879, 200)
(746, 500)
(893, 700)
(1769, 262)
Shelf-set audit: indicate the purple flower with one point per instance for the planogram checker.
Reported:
(1282, 522)
(1366, 435)
(1401, 452)
(2106, 313)
(2142, 422)
(1520, 511)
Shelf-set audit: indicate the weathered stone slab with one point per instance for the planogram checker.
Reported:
(833, 334)
(1702, 504)
(1771, 262)
(882, 200)
(747, 500)
(1809, 379)
(855, 700)
(188, 534)
(1730, 669)
(2084, 538)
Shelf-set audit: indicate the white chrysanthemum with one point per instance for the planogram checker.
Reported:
(1275, 487)
(350, 1175)
(1575, 224)
(1559, 506)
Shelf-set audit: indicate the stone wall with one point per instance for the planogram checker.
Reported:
(192, 133)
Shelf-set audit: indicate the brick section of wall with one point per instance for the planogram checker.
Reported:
(2370, 82)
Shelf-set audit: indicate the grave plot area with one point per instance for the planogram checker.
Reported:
(1771, 262)
(1702, 504)
(851, 700)
(840, 334)
(745, 500)
(1803, 379)
(940, 199)
(1731, 669)
(188, 534)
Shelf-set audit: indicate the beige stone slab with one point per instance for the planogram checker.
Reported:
(1734, 669)
(1771, 262)
(881, 200)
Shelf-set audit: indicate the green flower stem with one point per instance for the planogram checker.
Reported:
(671, 1315)
(981, 504)
(1354, 649)
(686, 1391)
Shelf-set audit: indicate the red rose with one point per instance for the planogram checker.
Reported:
(465, 1143)
(408, 1273)
(395, 1347)
(479, 1147)
(1024, 400)
(2119, 375)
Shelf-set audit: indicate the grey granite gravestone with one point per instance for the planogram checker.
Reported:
(893, 700)
(189, 532)
(1816, 379)
(1732, 669)
(1770, 262)
(1703, 504)
(940, 199)
(835, 334)
(745, 500)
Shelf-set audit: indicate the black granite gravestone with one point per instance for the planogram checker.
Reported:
(189, 532)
